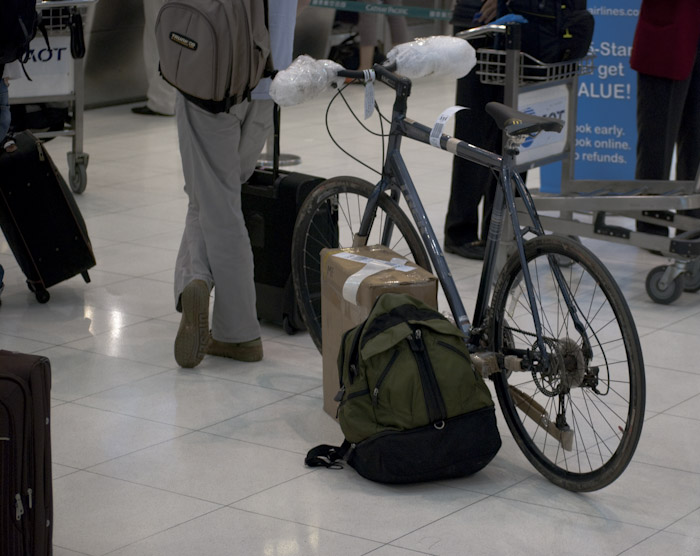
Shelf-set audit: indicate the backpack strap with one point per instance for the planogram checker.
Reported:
(77, 38)
(327, 456)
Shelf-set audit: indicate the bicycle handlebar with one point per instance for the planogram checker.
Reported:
(305, 78)
(362, 74)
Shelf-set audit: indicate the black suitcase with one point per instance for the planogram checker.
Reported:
(26, 494)
(40, 219)
(271, 200)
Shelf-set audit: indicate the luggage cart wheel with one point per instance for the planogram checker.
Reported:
(78, 178)
(660, 291)
(691, 279)
(42, 294)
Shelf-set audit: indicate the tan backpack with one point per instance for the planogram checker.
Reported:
(214, 51)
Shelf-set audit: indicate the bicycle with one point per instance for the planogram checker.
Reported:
(553, 330)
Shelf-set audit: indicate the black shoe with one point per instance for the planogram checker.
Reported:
(146, 111)
(474, 250)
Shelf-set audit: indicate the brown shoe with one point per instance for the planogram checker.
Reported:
(243, 351)
(193, 334)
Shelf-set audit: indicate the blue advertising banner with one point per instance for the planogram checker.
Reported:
(606, 127)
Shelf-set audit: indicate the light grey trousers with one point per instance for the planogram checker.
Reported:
(219, 152)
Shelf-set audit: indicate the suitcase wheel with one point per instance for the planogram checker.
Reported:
(42, 294)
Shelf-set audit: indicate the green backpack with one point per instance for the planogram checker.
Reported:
(412, 407)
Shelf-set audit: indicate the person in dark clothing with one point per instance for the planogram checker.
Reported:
(471, 182)
(666, 56)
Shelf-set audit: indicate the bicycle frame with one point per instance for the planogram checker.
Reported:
(396, 180)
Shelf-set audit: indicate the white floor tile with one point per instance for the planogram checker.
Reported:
(58, 551)
(671, 494)
(689, 525)
(23, 345)
(666, 389)
(65, 318)
(344, 502)
(76, 373)
(150, 342)
(96, 515)
(206, 466)
(389, 550)
(184, 399)
(669, 441)
(58, 470)
(296, 424)
(285, 367)
(136, 296)
(679, 353)
(135, 260)
(83, 436)
(228, 531)
(666, 543)
(689, 408)
(498, 526)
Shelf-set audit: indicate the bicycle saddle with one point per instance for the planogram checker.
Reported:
(518, 123)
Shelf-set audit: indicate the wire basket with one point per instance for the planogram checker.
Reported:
(57, 19)
(491, 68)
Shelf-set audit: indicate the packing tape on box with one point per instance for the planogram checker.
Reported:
(371, 266)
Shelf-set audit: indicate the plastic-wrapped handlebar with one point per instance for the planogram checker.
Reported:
(306, 78)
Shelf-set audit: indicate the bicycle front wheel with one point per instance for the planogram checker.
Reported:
(330, 217)
(576, 411)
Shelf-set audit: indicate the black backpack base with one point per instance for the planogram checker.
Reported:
(465, 445)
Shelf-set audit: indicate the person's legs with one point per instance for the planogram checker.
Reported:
(687, 165)
(397, 25)
(215, 246)
(470, 181)
(234, 318)
(367, 29)
(659, 111)
(192, 262)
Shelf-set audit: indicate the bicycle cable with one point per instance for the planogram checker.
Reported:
(381, 134)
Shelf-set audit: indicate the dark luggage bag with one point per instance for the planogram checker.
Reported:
(40, 219)
(271, 200)
(26, 495)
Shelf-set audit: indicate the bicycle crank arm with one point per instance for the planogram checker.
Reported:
(537, 413)
(486, 363)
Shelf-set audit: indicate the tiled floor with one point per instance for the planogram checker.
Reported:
(150, 459)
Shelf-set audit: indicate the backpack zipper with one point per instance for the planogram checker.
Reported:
(380, 380)
(431, 390)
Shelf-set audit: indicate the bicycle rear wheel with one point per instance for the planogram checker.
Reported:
(577, 413)
(330, 217)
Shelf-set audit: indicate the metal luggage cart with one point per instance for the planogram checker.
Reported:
(58, 77)
(583, 207)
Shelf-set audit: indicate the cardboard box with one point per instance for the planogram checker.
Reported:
(351, 280)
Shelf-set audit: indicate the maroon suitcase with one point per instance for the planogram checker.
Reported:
(26, 499)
